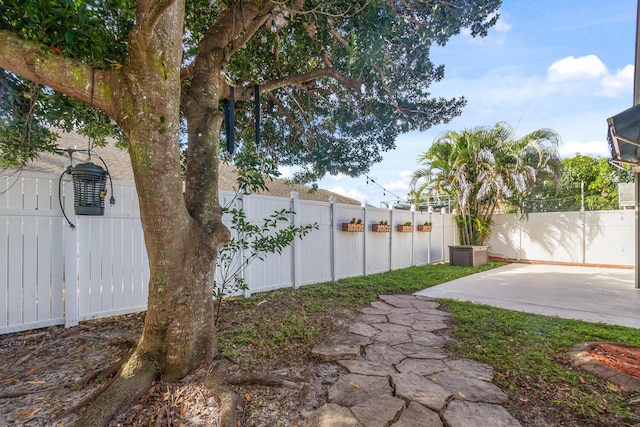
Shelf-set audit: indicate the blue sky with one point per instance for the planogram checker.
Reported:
(564, 65)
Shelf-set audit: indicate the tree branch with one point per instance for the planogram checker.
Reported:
(389, 91)
(286, 112)
(245, 35)
(38, 63)
(299, 80)
(336, 35)
(149, 13)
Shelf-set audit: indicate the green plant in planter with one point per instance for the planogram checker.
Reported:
(408, 223)
(427, 222)
(483, 168)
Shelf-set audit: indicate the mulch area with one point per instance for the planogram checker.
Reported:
(624, 359)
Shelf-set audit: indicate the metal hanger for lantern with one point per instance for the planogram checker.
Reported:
(89, 181)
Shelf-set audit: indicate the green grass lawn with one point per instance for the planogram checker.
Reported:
(528, 352)
(285, 324)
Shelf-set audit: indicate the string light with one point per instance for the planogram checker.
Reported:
(384, 190)
(419, 206)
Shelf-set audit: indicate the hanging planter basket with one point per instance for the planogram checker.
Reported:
(89, 189)
(352, 227)
(381, 228)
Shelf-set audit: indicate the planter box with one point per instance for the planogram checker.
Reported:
(468, 256)
(347, 226)
(381, 228)
(426, 228)
(405, 228)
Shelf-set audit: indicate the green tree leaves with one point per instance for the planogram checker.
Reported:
(483, 169)
(338, 122)
(594, 176)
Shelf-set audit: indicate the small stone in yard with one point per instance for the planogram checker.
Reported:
(333, 352)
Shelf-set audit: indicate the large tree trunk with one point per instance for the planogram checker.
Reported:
(179, 333)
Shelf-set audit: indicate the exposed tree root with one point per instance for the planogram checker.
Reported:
(246, 378)
(135, 376)
(110, 370)
(227, 400)
(26, 393)
(129, 385)
(218, 379)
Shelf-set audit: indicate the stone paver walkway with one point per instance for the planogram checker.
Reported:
(396, 373)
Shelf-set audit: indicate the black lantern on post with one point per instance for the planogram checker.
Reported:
(89, 189)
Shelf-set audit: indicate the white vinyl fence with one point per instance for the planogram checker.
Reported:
(329, 254)
(593, 237)
(51, 275)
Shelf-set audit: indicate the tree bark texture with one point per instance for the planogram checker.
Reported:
(179, 333)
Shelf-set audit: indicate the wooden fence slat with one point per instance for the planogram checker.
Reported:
(57, 266)
(106, 267)
(14, 193)
(127, 263)
(95, 269)
(139, 256)
(84, 265)
(44, 273)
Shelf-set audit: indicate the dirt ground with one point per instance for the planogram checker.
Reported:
(47, 375)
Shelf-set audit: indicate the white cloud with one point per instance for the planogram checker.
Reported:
(353, 193)
(338, 177)
(405, 175)
(397, 185)
(621, 83)
(589, 75)
(571, 69)
(502, 26)
(597, 148)
(402, 184)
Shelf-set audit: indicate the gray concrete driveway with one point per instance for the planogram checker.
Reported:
(592, 294)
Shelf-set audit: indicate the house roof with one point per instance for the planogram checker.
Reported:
(624, 137)
(119, 165)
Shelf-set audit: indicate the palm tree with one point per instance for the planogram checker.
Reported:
(484, 168)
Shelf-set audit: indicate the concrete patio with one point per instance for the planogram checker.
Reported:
(593, 294)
